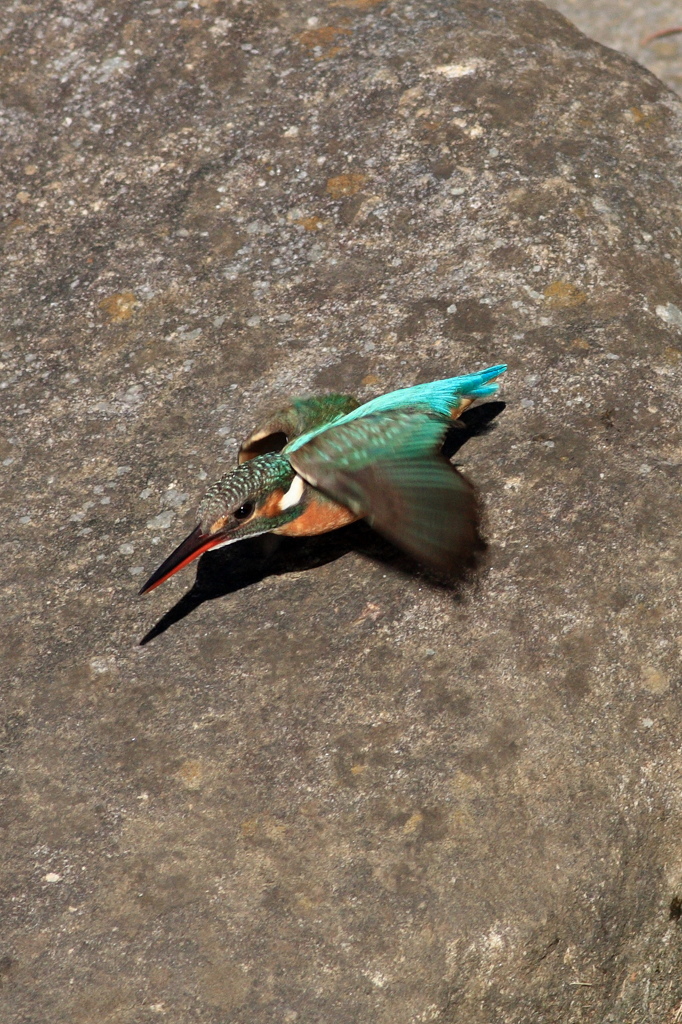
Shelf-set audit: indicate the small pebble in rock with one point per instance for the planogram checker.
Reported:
(670, 314)
(162, 521)
(654, 680)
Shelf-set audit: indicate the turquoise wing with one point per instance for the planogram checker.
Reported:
(438, 396)
(387, 466)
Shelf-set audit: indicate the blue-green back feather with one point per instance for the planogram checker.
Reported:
(438, 396)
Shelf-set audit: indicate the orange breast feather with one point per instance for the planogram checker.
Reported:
(320, 516)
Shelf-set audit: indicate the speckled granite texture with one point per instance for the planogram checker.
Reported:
(328, 790)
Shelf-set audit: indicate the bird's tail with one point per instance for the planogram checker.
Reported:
(478, 385)
(473, 386)
(447, 397)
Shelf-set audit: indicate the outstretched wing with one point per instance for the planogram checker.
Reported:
(387, 467)
(301, 416)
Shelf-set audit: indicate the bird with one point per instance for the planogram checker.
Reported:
(321, 463)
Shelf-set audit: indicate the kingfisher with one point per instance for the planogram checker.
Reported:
(320, 463)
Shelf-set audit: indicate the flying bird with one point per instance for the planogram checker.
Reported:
(323, 462)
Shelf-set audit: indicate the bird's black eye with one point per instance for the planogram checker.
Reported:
(244, 511)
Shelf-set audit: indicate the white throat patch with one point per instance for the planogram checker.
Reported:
(294, 494)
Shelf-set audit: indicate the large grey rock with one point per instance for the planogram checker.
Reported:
(341, 794)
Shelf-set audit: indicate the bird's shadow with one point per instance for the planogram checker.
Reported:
(242, 565)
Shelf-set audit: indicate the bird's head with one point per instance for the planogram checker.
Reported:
(254, 498)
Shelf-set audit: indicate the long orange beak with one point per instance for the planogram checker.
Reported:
(191, 548)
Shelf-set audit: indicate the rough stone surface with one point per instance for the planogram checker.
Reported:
(340, 793)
